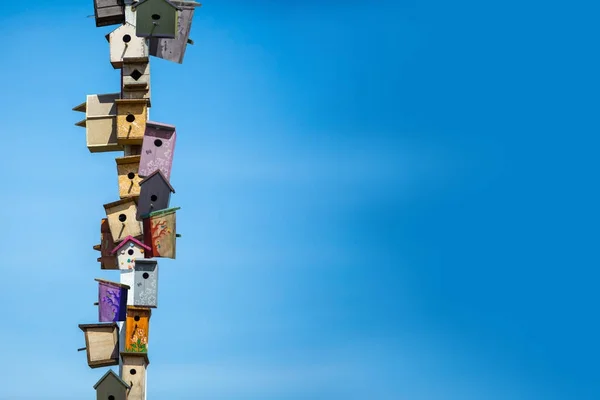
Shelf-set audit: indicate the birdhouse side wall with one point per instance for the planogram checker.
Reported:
(174, 49)
(162, 234)
(101, 134)
(128, 278)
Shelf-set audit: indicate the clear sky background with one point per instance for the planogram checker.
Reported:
(380, 200)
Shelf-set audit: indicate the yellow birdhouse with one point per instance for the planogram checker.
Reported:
(132, 115)
(129, 181)
(121, 219)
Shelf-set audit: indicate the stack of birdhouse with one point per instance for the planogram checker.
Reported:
(139, 226)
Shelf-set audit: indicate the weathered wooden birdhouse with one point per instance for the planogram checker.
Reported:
(127, 171)
(135, 80)
(156, 18)
(107, 260)
(100, 122)
(155, 194)
(101, 344)
(109, 12)
(146, 283)
(121, 219)
(129, 250)
(124, 43)
(174, 49)
(112, 301)
(132, 115)
(160, 233)
(136, 329)
(111, 387)
(158, 148)
(134, 371)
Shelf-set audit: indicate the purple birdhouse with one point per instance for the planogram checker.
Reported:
(112, 301)
(158, 147)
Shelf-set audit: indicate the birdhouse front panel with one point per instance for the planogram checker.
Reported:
(174, 49)
(125, 44)
(155, 194)
(134, 371)
(101, 344)
(129, 181)
(146, 283)
(156, 18)
(160, 233)
(107, 259)
(111, 387)
(158, 149)
(136, 335)
(112, 301)
(129, 250)
(131, 120)
(135, 74)
(109, 12)
(121, 219)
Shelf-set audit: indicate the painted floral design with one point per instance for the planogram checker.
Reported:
(138, 341)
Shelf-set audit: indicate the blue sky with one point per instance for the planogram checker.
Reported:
(379, 200)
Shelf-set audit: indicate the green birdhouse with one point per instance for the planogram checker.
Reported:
(156, 18)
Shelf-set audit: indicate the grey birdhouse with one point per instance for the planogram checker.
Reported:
(109, 12)
(156, 18)
(111, 387)
(174, 49)
(155, 194)
(145, 283)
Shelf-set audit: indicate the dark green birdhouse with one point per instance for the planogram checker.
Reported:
(156, 18)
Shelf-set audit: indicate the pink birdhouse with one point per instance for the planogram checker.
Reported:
(158, 147)
(128, 251)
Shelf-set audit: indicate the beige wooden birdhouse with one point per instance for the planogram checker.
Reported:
(135, 80)
(100, 122)
(134, 374)
(129, 181)
(132, 115)
(125, 44)
(121, 219)
(101, 344)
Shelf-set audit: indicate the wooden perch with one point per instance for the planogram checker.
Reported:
(82, 349)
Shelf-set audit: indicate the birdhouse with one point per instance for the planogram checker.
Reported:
(101, 344)
(121, 219)
(109, 12)
(158, 148)
(125, 44)
(156, 18)
(146, 283)
(155, 194)
(136, 329)
(131, 120)
(135, 80)
(129, 250)
(111, 387)
(129, 181)
(100, 122)
(107, 260)
(160, 232)
(174, 49)
(112, 301)
(134, 371)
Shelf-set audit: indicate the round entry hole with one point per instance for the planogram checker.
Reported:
(130, 118)
(146, 275)
(158, 142)
(111, 397)
(136, 318)
(130, 252)
(153, 198)
(155, 17)
(131, 175)
(126, 38)
(132, 371)
(122, 217)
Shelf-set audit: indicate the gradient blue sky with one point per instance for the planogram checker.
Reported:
(386, 200)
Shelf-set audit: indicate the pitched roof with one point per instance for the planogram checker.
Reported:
(114, 376)
(129, 239)
(139, 3)
(158, 171)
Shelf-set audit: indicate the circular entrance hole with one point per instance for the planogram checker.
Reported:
(153, 198)
(155, 17)
(136, 318)
(130, 252)
(126, 38)
(158, 142)
(130, 118)
(131, 175)
(111, 397)
(122, 217)
(132, 371)
(146, 275)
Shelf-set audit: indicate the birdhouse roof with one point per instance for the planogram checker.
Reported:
(145, 261)
(127, 240)
(112, 283)
(158, 172)
(128, 354)
(128, 159)
(160, 126)
(85, 327)
(113, 376)
(119, 202)
(150, 1)
(161, 212)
